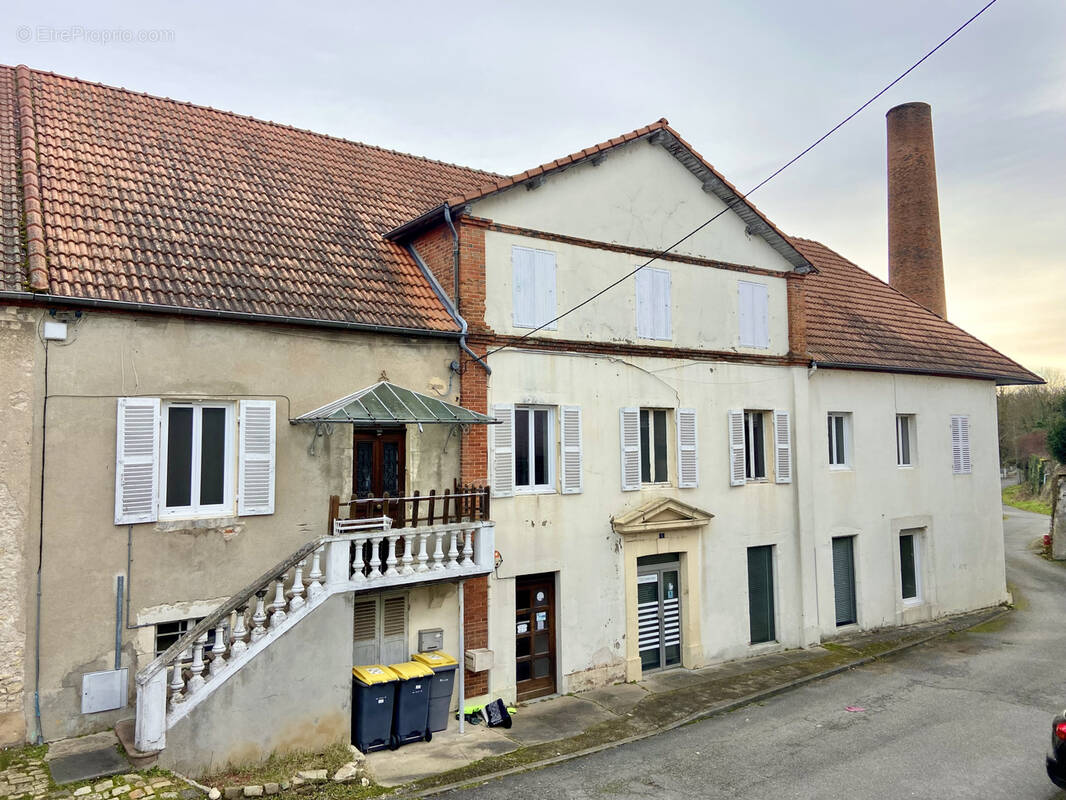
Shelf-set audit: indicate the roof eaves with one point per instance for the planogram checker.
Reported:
(1001, 379)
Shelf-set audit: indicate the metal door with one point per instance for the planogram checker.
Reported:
(658, 614)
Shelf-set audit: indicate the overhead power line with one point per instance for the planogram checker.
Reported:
(667, 250)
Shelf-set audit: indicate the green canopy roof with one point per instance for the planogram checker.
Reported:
(385, 403)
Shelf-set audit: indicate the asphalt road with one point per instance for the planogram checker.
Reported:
(966, 716)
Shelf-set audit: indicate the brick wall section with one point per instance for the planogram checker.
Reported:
(435, 248)
(474, 454)
(915, 260)
(797, 315)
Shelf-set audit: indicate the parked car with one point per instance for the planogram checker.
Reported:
(1056, 758)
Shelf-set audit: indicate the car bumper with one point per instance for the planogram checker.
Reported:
(1056, 771)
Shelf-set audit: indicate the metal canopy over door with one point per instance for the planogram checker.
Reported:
(844, 579)
(659, 611)
(535, 636)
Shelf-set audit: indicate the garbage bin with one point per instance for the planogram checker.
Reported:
(440, 694)
(410, 713)
(373, 700)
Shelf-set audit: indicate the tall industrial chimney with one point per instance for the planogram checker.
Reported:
(915, 260)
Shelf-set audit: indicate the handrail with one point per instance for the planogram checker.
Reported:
(241, 599)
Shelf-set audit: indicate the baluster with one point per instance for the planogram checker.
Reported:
(432, 504)
(468, 549)
(390, 560)
(438, 552)
(296, 592)
(316, 574)
(358, 561)
(237, 644)
(196, 679)
(177, 685)
(408, 555)
(218, 651)
(423, 556)
(259, 617)
(414, 509)
(375, 557)
(278, 605)
(453, 551)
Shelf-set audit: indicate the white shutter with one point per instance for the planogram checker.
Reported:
(137, 460)
(630, 439)
(662, 304)
(645, 304)
(524, 289)
(255, 466)
(571, 441)
(394, 629)
(745, 321)
(960, 445)
(503, 451)
(736, 448)
(759, 315)
(544, 287)
(688, 464)
(782, 448)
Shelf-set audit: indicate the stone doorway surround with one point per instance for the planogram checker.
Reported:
(664, 525)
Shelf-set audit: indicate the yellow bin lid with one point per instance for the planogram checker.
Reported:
(437, 658)
(411, 669)
(374, 673)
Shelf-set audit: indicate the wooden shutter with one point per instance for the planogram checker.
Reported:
(782, 448)
(544, 287)
(960, 445)
(745, 318)
(137, 460)
(365, 632)
(844, 579)
(256, 468)
(688, 465)
(524, 288)
(571, 446)
(662, 304)
(629, 419)
(760, 318)
(503, 451)
(645, 304)
(736, 448)
(394, 629)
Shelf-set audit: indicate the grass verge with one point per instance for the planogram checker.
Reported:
(1018, 496)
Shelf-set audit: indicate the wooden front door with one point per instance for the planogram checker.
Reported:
(535, 636)
(379, 463)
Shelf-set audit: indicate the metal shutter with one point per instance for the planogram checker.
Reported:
(844, 579)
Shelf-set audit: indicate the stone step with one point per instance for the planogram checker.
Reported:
(140, 760)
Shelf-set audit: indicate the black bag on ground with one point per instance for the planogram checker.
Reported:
(496, 714)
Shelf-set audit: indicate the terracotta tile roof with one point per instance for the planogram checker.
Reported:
(12, 277)
(854, 319)
(156, 201)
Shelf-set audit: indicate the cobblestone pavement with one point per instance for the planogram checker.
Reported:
(26, 778)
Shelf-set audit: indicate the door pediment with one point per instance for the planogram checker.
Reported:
(661, 514)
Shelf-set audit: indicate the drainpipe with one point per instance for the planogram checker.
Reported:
(455, 273)
(461, 671)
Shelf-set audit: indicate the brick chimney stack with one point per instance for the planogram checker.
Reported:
(915, 260)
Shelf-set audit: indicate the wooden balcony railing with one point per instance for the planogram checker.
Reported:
(460, 504)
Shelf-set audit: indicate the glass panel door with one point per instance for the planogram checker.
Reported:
(658, 612)
(535, 636)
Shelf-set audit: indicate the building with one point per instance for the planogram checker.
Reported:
(750, 444)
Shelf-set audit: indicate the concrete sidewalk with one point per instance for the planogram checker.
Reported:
(563, 727)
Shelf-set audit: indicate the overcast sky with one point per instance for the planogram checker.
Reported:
(505, 86)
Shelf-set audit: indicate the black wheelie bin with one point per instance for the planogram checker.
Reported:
(373, 702)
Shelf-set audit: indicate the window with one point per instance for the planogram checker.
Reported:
(533, 448)
(761, 594)
(839, 440)
(653, 446)
(844, 580)
(754, 446)
(168, 633)
(534, 287)
(752, 314)
(653, 304)
(748, 445)
(910, 566)
(905, 440)
(197, 463)
(960, 445)
(193, 459)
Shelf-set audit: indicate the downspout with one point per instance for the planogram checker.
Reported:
(443, 297)
(455, 273)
